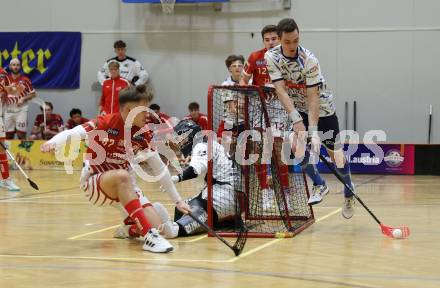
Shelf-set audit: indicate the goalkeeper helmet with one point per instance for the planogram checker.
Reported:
(187, 135)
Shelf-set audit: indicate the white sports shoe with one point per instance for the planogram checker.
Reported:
(9, 184)
(348, 208)
(156, 243)
(318, 193)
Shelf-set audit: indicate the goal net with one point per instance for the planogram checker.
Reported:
(270, 191)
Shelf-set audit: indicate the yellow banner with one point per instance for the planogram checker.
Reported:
(30, 157)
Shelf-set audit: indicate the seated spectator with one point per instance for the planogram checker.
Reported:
(54, 124)
(130, 69)
(163, 118)
(235, 64)
(76, 118)
(110, 90)
(159, 123)
(196, 116)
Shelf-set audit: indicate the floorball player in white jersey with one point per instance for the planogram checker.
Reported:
(300, 86)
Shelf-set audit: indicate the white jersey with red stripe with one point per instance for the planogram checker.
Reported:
(299, 73)
(106, 143)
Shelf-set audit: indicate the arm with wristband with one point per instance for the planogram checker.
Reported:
(197, 166)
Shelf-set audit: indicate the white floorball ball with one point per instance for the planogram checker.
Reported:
(397, 233)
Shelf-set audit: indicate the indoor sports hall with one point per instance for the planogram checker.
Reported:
(220, 143)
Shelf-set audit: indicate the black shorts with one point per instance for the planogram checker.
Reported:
(328, 128)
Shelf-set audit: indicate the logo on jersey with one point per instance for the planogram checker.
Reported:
(139, 137)
(393, 158)
(261, 63)
(113, 131)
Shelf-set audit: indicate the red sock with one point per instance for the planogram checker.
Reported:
(4, 167)
(128, 221)
(262, 175)
(133, 231)
(136, 213)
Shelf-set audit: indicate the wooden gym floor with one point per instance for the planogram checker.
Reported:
(55, 238)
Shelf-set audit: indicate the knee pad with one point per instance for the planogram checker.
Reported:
(188, 226)
(193, 202)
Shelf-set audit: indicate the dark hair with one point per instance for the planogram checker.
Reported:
(75, 111)
(119, 44)
(193, 106)
(47, 104)
(286, 25)
(268, 29)
(135, 94)
(154, 106)
(232, 58)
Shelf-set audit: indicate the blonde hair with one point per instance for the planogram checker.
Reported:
(113, 64)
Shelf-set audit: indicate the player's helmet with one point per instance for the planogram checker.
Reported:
(187, 129)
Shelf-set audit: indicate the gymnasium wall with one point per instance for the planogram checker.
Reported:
(382, 54)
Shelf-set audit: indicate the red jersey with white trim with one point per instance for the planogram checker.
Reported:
(160, 125)
(71, 124)
(54, 124)
(26, 85)
(5, 97)
(256, 67)
(106, 143)
(110, 94)
(4, 81)
(24, 81)
(158, 118)
(202, 121)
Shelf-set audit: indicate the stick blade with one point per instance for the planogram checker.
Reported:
(395, 232)
(33, 184)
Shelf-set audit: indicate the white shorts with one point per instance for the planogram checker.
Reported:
(90, 184)
(16, 121)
